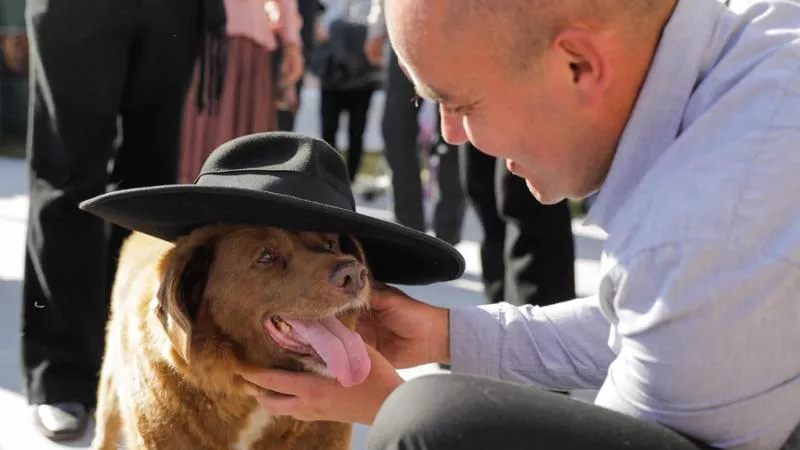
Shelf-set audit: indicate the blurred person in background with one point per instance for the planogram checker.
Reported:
(242, 98)
(107, 86)
(309, 10)
(527, 250)
(400, 129)
(347, 78)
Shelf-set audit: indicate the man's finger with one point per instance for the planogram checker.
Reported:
(282, 381)
(279, 405)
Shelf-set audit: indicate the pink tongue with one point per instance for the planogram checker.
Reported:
(342, 349)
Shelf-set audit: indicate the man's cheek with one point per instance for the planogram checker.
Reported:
(480, 137)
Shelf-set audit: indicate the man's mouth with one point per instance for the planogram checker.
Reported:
(328, 341)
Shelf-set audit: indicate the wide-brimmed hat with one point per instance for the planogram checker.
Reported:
(284, 180)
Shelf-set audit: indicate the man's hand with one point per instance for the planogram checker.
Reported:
(373, 48)
(15, 53)
(312, 397)
(405, 331)
(293, 65)
(320, 33)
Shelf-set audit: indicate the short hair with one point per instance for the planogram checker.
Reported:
(524, 28)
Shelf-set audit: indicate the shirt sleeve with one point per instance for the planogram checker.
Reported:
(561, 346)
(708, 343)
(376, 19)
(334, 9)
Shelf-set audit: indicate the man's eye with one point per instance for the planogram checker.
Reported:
(457, 110)
(331, 245)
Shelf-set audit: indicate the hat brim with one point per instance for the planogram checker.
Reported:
(396, 254)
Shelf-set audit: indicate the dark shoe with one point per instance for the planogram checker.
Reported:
(61, 421)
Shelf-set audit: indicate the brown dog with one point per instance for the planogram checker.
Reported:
(187, 318)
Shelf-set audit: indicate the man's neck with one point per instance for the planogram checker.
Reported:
(636, 57)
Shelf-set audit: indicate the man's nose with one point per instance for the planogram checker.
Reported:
(452, 128)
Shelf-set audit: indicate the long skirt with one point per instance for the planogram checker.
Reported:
(247, 106)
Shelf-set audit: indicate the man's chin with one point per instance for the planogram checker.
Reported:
(542, 197)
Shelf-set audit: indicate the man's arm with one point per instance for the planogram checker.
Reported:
(708, 341)
(376, 20)
(561, 346)
(290, 22)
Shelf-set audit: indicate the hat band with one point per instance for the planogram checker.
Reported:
(290, 184)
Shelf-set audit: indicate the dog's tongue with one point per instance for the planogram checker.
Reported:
(342, 349)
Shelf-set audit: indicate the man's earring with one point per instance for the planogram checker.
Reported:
(576, 72)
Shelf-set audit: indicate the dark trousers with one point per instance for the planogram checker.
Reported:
(465, 413)
(527, 252)
(308, 10)
(400, 131)
(356, 103)
(92, 62)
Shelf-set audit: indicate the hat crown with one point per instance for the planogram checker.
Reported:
(280, 155)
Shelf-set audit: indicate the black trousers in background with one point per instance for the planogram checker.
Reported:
(92, 62)
(469, 413)
(527, 252)
(356, 103)
(400, 130)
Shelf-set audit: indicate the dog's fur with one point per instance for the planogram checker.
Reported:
(187, 318)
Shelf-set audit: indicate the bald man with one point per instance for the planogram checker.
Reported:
(684, 117)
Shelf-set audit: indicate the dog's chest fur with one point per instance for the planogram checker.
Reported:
(257, 423)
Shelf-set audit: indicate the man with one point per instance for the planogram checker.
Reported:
(94, 64)
(684, 116)
(308, 10)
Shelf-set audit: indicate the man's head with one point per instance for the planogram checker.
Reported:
(547, 84)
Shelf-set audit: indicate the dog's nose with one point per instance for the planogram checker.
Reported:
(350, 276)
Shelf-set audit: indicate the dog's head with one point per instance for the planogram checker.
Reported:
(270, 297)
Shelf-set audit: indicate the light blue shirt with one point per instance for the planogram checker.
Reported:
(696, 323)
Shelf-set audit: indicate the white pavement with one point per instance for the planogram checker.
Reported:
(16, 429)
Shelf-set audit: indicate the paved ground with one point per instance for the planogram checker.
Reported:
(16, 431)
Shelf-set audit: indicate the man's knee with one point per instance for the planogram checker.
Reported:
(410, 415)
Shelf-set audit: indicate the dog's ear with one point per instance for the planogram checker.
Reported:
(352, 246)
(181, 292)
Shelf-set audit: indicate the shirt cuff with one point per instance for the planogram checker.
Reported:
(475, 337)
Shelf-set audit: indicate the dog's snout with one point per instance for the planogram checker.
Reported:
(350, 276)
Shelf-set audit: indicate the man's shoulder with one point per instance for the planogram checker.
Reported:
(751, 77)
(733, 171)
(737, 191)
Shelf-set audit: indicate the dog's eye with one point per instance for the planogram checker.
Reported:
(267, 259)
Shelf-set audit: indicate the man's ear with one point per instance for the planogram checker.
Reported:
(585, 60)
(181, 292)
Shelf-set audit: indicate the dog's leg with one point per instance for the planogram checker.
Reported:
(108, 422)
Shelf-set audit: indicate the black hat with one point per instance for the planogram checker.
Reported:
(284, 180)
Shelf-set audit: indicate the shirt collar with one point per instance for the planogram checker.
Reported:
(656, 118)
